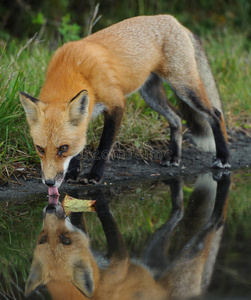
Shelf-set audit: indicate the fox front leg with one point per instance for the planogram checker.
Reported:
(111, 125)
(74, 168)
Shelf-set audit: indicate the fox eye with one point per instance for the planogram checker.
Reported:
(43, 239)
(65, 240)
(62, 149)
(40, 149)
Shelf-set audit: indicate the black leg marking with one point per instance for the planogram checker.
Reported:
(222, 153)
(74, 168)
(111, 126)
(216, 122)
(196, 101)
(115, 243)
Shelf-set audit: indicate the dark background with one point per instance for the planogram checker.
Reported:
(52, 18)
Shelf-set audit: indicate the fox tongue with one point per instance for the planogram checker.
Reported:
(53, 195)
(53, 191)
(53, 199)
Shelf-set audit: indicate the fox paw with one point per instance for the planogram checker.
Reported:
(220, 175)
(169, 163)
(217, 163)
(72, 175)
(89, 179)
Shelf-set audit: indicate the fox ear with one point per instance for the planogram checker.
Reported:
(83, 278)
(78, 107)
(34, 279)
(30, 105)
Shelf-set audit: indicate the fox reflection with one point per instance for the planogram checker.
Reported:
(64, 262)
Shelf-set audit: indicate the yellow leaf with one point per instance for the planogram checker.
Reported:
(71, 204)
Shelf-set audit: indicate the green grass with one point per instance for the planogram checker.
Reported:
(20, 223)
(23, 67)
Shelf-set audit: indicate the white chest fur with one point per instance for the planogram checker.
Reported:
(98, 109)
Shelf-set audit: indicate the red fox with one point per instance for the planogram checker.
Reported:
(97, 73)
(64, 262)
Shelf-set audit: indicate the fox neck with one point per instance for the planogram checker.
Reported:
(60, 96)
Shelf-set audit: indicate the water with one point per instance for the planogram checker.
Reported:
(194, 233)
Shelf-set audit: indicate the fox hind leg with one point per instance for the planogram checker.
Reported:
(188, 73)
(219, 130)
(154, 94)
(197, 99)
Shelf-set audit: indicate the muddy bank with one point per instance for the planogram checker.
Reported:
(122, 172)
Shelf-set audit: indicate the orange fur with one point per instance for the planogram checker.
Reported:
(109, 65)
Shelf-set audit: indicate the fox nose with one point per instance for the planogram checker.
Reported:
(51, 209)
(50, 182)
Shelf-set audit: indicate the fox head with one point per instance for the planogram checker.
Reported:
(62, 256)
(58, 131)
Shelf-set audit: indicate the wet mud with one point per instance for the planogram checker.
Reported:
(123, 172)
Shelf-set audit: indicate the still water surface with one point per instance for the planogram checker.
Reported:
(191, 235)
